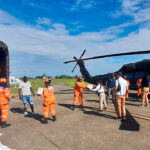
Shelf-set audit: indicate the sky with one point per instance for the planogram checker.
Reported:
(42, 34)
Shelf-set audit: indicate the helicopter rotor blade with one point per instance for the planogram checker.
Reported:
(75, 65)
(111, 55)
(78, 60)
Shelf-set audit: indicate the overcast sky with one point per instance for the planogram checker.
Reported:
(42, 34)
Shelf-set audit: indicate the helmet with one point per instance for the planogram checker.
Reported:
(79, 78)
(47, 80)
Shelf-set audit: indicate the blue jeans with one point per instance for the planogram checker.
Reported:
(27, 99)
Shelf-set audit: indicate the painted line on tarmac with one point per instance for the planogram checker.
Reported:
(112, 110)
(131, 114)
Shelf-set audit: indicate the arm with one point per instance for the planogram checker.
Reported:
(32, 91)
(7, 94)
(82, 85)
(19, 93)
(41, 95)
(115, 87)
(127, 87)
(96, 89)
(106, 83)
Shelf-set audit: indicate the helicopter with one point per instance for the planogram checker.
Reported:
(133, 71)
(4, 61)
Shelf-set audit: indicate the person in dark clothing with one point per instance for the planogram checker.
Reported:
(110, 83)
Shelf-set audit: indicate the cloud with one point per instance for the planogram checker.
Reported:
(58, 29)
(139, 10)
(57, 43)
(6, 18)
(83, 4)
(43, 21)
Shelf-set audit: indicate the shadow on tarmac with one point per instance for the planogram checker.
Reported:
(69, 106)
(132, 104)
(99, 114)
(91, 101)
(129, 125)
(17, 110)
(37, 117)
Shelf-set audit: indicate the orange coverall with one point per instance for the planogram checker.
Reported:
(139, 91)
(4, 107)
(49, 101)
(79, 86)
(127, 93)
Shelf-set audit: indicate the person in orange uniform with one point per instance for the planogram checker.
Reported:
(4, 107)
(49, 101)
(128, 84)
(78, 95)
(139, 88)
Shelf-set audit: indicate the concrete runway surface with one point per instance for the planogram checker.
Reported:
(77, 130)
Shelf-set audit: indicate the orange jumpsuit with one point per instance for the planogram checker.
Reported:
(4, 107)
(79, 86)
(49, 101)
(127, 93)
(139, 91)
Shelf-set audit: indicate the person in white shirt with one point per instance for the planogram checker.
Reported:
(120, 90)
(25, 94)
(101, 93)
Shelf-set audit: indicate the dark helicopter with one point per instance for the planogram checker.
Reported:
(133, 70)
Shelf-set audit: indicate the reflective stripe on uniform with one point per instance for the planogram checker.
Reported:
(4, 110)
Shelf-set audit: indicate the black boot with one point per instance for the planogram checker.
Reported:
(123, 119)
(45, 121)
(73, 108)
(54, 118)
(5, 125)
(81, 107)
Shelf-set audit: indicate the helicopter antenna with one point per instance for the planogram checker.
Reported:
(77, 60)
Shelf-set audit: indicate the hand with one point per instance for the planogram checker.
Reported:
(13, 96)
(87, 88)
(33, 94)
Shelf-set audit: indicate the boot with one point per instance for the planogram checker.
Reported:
(81, 107)
(73, 108)
(4, 125)
(45, 121)
(54, 118)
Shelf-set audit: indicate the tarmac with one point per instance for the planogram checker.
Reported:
(77, 130)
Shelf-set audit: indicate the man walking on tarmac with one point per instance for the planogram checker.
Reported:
(120, 89)
(110, 86)
(78, 95)
(49, 101)
(4, 107)
(25, 90)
